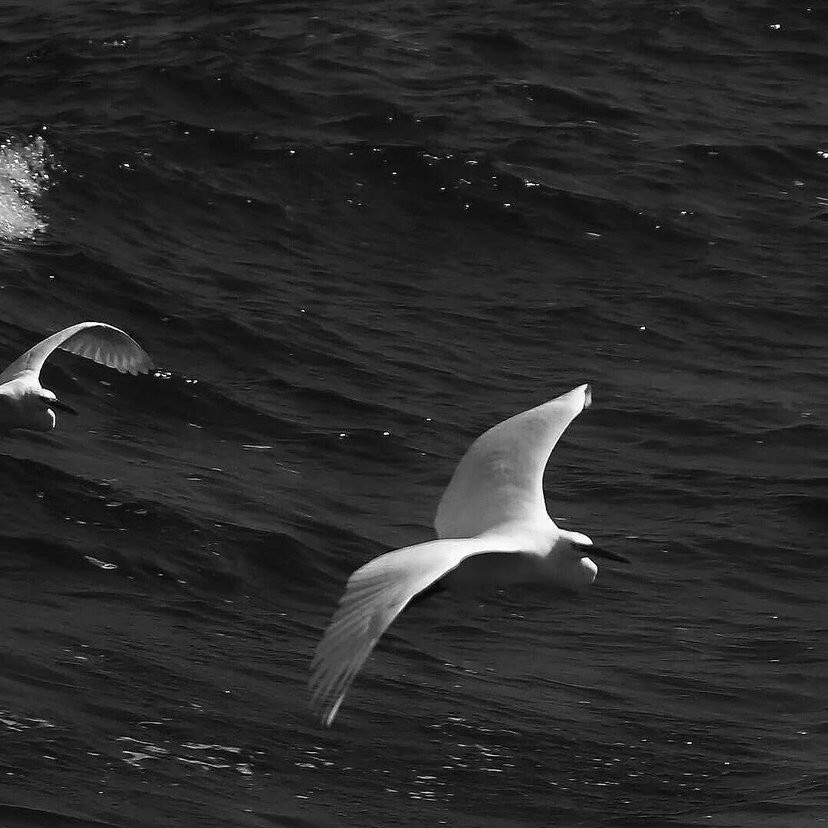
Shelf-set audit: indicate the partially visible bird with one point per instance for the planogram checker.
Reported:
(24, 403)
(493, 529)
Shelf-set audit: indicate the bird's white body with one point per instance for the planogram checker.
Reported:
(24, 403)
(492, 528)
(542, 559)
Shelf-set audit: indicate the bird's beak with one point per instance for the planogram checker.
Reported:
(592, 551)
(598, 552)
(62, 406)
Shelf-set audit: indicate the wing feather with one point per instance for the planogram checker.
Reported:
(374, 596)
(500, 477)
(97, 341)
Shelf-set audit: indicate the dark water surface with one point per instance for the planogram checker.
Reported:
(352, 236)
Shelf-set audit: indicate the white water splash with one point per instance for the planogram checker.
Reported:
(24, 176)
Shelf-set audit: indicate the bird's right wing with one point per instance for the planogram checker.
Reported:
(98, 341)
(374, 596)
(500, 477)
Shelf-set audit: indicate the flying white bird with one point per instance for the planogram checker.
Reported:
(493, 529)
(24, 403)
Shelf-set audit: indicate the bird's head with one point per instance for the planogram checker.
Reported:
(24, 403)
(43, 416)
(577, 552)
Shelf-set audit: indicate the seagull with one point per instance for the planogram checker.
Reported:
(492, 528)
(25, 403)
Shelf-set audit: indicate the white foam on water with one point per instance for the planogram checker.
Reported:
(24, 175)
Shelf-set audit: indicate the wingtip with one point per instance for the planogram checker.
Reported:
(323, 713)
(587, 395)
(322, 706)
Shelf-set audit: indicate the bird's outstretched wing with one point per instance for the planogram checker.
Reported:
(374, 596)
(103, 343)
(500, 477)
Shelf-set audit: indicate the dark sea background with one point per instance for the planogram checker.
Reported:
(353, 236)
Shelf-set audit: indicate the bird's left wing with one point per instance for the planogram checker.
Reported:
(98, 341)
(375, 595)
(500, 478)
